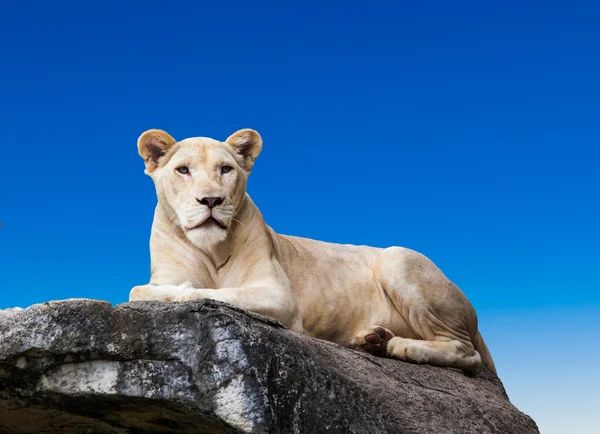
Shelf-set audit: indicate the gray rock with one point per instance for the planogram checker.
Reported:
(84, 366)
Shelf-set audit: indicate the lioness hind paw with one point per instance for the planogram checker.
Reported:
(373, 341)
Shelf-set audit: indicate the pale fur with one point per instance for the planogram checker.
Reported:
(342, 293)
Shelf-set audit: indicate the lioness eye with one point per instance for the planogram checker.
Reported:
(183, 170)
(226, 169)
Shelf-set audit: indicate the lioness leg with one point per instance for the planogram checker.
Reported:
(264, 298)
(442, 321)
(381, 342)
(451, 353)
(156, 292)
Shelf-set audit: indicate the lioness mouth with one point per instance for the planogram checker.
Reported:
(211, 221)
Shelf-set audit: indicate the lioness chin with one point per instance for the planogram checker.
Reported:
(209, 240)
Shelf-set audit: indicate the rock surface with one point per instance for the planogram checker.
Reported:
(83, 366)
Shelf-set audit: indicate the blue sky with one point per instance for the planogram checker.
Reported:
(468, 131)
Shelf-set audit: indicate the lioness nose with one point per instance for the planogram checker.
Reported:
(210, 202)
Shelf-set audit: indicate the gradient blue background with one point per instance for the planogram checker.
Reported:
(468, 131)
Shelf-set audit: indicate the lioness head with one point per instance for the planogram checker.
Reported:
(200, 182)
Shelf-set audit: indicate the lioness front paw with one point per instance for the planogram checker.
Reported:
(140, 293)
(373, 341)
(188, 294)
(154, 293)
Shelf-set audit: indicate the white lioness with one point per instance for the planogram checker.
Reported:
(209, 240)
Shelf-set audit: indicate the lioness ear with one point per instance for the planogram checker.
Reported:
(248, 144)
(152, 145)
